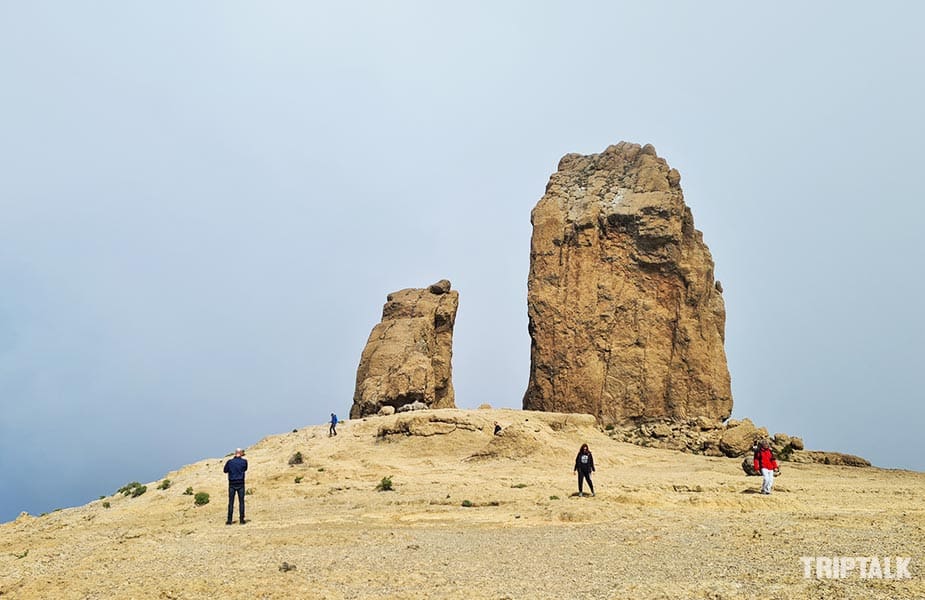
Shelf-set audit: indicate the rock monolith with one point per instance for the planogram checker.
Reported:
(625, 318)
(408, 355)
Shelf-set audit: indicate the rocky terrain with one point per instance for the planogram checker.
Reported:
(734, 438)
(474, 515)
(408, 356)
(626, 320)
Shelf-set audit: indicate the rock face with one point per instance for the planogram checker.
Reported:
(625, 318)
(407, 357)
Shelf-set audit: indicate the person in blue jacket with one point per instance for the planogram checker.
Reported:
(236, 467)
(333, 429)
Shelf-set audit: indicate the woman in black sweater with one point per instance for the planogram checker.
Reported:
(584, 466)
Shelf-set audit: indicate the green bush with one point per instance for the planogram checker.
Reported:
(249, 492)
(201, 498)
(164, 485)
(519, 486)
(133, 489)
(126, 490)
(296, 459)
(609, 427)
(189, 491)
(467, 503)
(106, 504)
(385, 485)
(554, 497)
(298, 479)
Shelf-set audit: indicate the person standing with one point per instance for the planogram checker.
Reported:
(236, 468)
(584, 466)
(332, 430)
(766, 465)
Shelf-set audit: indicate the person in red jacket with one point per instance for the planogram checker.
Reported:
(766, 465)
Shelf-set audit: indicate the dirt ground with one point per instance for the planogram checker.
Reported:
(473, 515)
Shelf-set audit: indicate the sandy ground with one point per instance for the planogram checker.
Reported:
(662, 525)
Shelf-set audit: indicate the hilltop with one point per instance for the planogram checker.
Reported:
(663, 525)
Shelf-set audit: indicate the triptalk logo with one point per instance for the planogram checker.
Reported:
(863, 567)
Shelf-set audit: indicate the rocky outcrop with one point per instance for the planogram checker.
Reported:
(626, 320)
(695, 436)
(407, 357)
(734, 439)
(830, 458)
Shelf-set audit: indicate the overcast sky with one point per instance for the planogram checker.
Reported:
(204, 204)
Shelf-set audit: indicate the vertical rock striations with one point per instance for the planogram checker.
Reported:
(407, 357)
(626, 321)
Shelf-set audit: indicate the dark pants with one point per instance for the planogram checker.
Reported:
(585, 476)
(236, 488)
(332, 430)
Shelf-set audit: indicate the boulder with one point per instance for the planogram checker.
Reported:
(705, 424)
(740, 439)
(386, 410)
(661, 430)
(625, 319)
(781, 440)
(441, 287)
(407, 357)
(796, 443)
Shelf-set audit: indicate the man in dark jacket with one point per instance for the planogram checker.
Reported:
(235, 469)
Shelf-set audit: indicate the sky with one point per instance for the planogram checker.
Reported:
(204, 205)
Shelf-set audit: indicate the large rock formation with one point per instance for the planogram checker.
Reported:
(407, 357)
(625, 318)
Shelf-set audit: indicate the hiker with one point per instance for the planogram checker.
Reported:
(584, 466)
(333, 429)
(235, 468)
(766, 465)
(497, 428)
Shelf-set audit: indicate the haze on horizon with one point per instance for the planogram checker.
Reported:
(204, 206)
